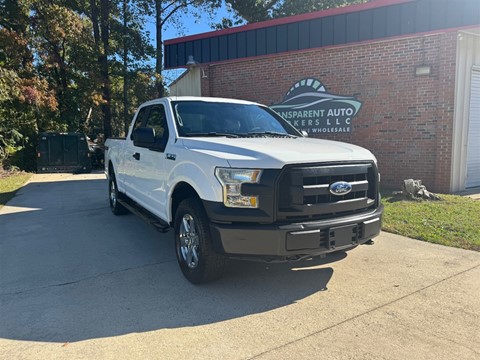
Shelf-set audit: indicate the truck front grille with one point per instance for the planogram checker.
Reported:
(304, 191)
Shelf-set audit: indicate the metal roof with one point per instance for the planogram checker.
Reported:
(347, 25)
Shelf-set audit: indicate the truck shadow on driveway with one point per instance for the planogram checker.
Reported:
(72, 271)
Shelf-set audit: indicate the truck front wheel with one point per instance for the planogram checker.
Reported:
(198, 260)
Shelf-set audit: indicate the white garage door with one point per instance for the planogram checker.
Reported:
(473, 152)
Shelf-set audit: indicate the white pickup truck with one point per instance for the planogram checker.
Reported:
(234, 179)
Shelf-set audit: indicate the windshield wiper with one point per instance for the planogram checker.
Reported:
(271, 133)
(213, 134)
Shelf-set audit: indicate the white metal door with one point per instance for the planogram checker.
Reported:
(473, 149)
(151, 176)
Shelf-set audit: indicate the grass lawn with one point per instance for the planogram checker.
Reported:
(454, 221)
(10, 183)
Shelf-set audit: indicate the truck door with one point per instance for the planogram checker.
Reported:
(128, 170)
(150, 174)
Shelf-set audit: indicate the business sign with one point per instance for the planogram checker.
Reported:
(308, 106)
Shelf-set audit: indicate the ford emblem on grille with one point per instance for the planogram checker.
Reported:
(340, 188)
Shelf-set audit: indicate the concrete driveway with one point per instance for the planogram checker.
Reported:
(77, 282)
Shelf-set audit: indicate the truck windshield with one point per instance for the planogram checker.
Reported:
(205, 118)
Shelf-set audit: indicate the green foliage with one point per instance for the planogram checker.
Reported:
(25, 104)
(261, 10)
(50, 78)
(453, 221)
(293, 7)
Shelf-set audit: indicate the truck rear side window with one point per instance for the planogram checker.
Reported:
(138, 120)
(157, 121)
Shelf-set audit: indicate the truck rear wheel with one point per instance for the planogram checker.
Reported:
(114, 195)
(197, 259)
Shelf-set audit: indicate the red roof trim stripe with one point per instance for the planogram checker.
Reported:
(289, 20)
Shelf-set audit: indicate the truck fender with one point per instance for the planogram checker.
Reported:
(206, 186)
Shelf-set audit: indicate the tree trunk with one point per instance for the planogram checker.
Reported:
(61, 73)
(125, 67)
(159, 50)
(103, 60)
(101, 35)
(96, 29)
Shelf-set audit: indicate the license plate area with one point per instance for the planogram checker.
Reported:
(342, 236)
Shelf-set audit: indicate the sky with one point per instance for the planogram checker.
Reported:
(190, 26)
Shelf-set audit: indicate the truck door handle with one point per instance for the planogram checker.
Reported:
(136, 156)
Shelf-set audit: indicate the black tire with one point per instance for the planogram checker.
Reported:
(114, 195)
(197, 259)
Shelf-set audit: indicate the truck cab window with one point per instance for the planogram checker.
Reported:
(157, 121)
(138, 120)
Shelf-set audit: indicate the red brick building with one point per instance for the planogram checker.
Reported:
(414, 65)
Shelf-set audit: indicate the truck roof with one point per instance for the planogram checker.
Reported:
(200, 98)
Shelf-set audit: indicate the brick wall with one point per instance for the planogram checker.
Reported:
(406, 120)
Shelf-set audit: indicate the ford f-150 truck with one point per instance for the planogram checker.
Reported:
(235, 180)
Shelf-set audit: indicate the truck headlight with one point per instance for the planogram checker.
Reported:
(232, 180)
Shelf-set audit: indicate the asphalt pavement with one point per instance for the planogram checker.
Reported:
(77, 282)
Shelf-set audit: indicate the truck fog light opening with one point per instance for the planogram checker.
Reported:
(232, 180)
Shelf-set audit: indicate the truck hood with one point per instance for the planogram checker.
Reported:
(274, 153)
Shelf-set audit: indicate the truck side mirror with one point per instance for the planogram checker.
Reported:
(143, 137)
